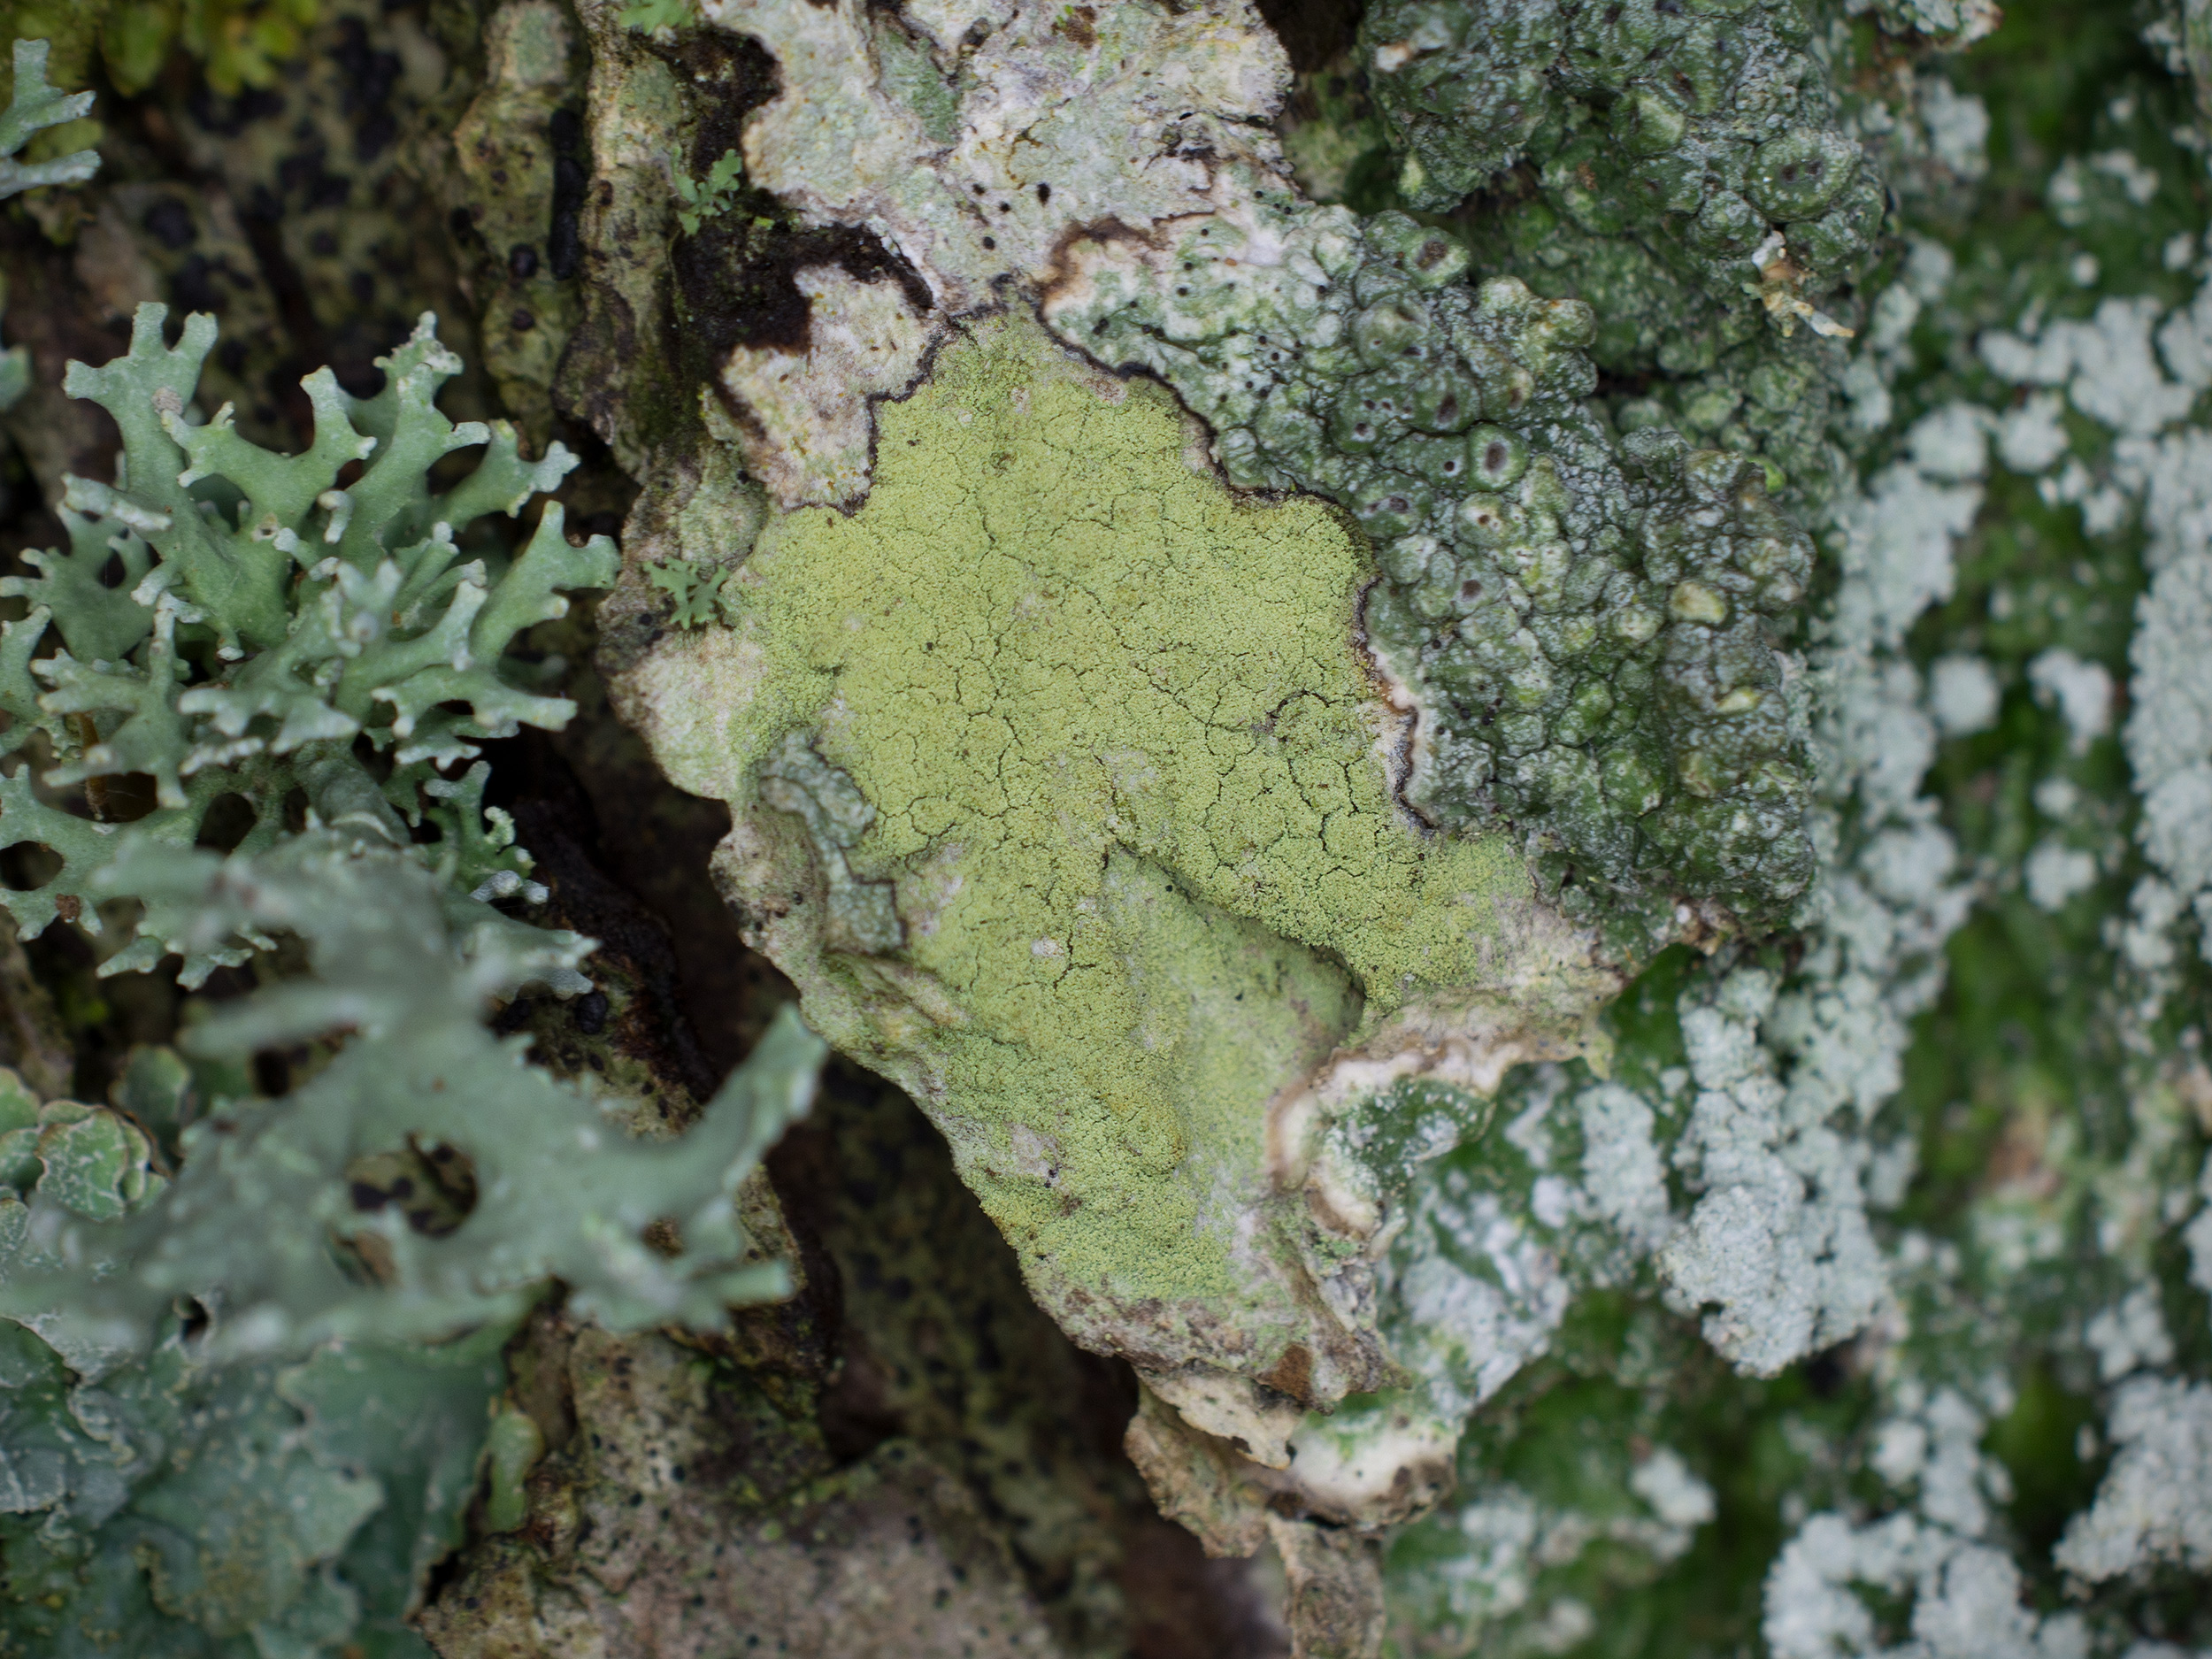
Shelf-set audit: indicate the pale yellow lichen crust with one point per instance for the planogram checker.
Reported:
(1130, 783)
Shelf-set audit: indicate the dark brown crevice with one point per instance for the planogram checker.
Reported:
(941, 1344)
(729, 76)
(558, 819)
(739, 283)
(1315, 32)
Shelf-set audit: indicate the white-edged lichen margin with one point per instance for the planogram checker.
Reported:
(272, 628)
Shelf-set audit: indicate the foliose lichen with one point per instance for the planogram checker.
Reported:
(256, 1334)
(269, 615)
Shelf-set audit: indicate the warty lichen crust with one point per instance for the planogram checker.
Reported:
(1692, 154)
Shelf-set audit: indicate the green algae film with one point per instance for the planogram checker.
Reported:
(1124, 755)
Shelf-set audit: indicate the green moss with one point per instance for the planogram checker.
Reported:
(239, 43)
(1122, 755)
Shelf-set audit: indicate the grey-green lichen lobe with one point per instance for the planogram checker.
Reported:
(1586, 636)
(862, 915)
(181, 1503)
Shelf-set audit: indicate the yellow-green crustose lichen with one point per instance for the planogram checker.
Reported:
(1108, 730)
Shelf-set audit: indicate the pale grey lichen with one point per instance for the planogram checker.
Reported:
(1962, 695)
(1777, 1243)
(970, 144)
(2152, 1505)
(35, 105)
(268, 616)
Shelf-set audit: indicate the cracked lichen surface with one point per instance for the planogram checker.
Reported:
(1130, 779)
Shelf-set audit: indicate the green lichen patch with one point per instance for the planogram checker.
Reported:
(1128, 777)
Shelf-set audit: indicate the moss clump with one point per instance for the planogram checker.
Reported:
(238, 43)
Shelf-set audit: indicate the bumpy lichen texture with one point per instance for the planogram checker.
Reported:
(2003, 1172)
(1588, 638)
(1088, 757)
(1692, 152)
(1694, 173)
